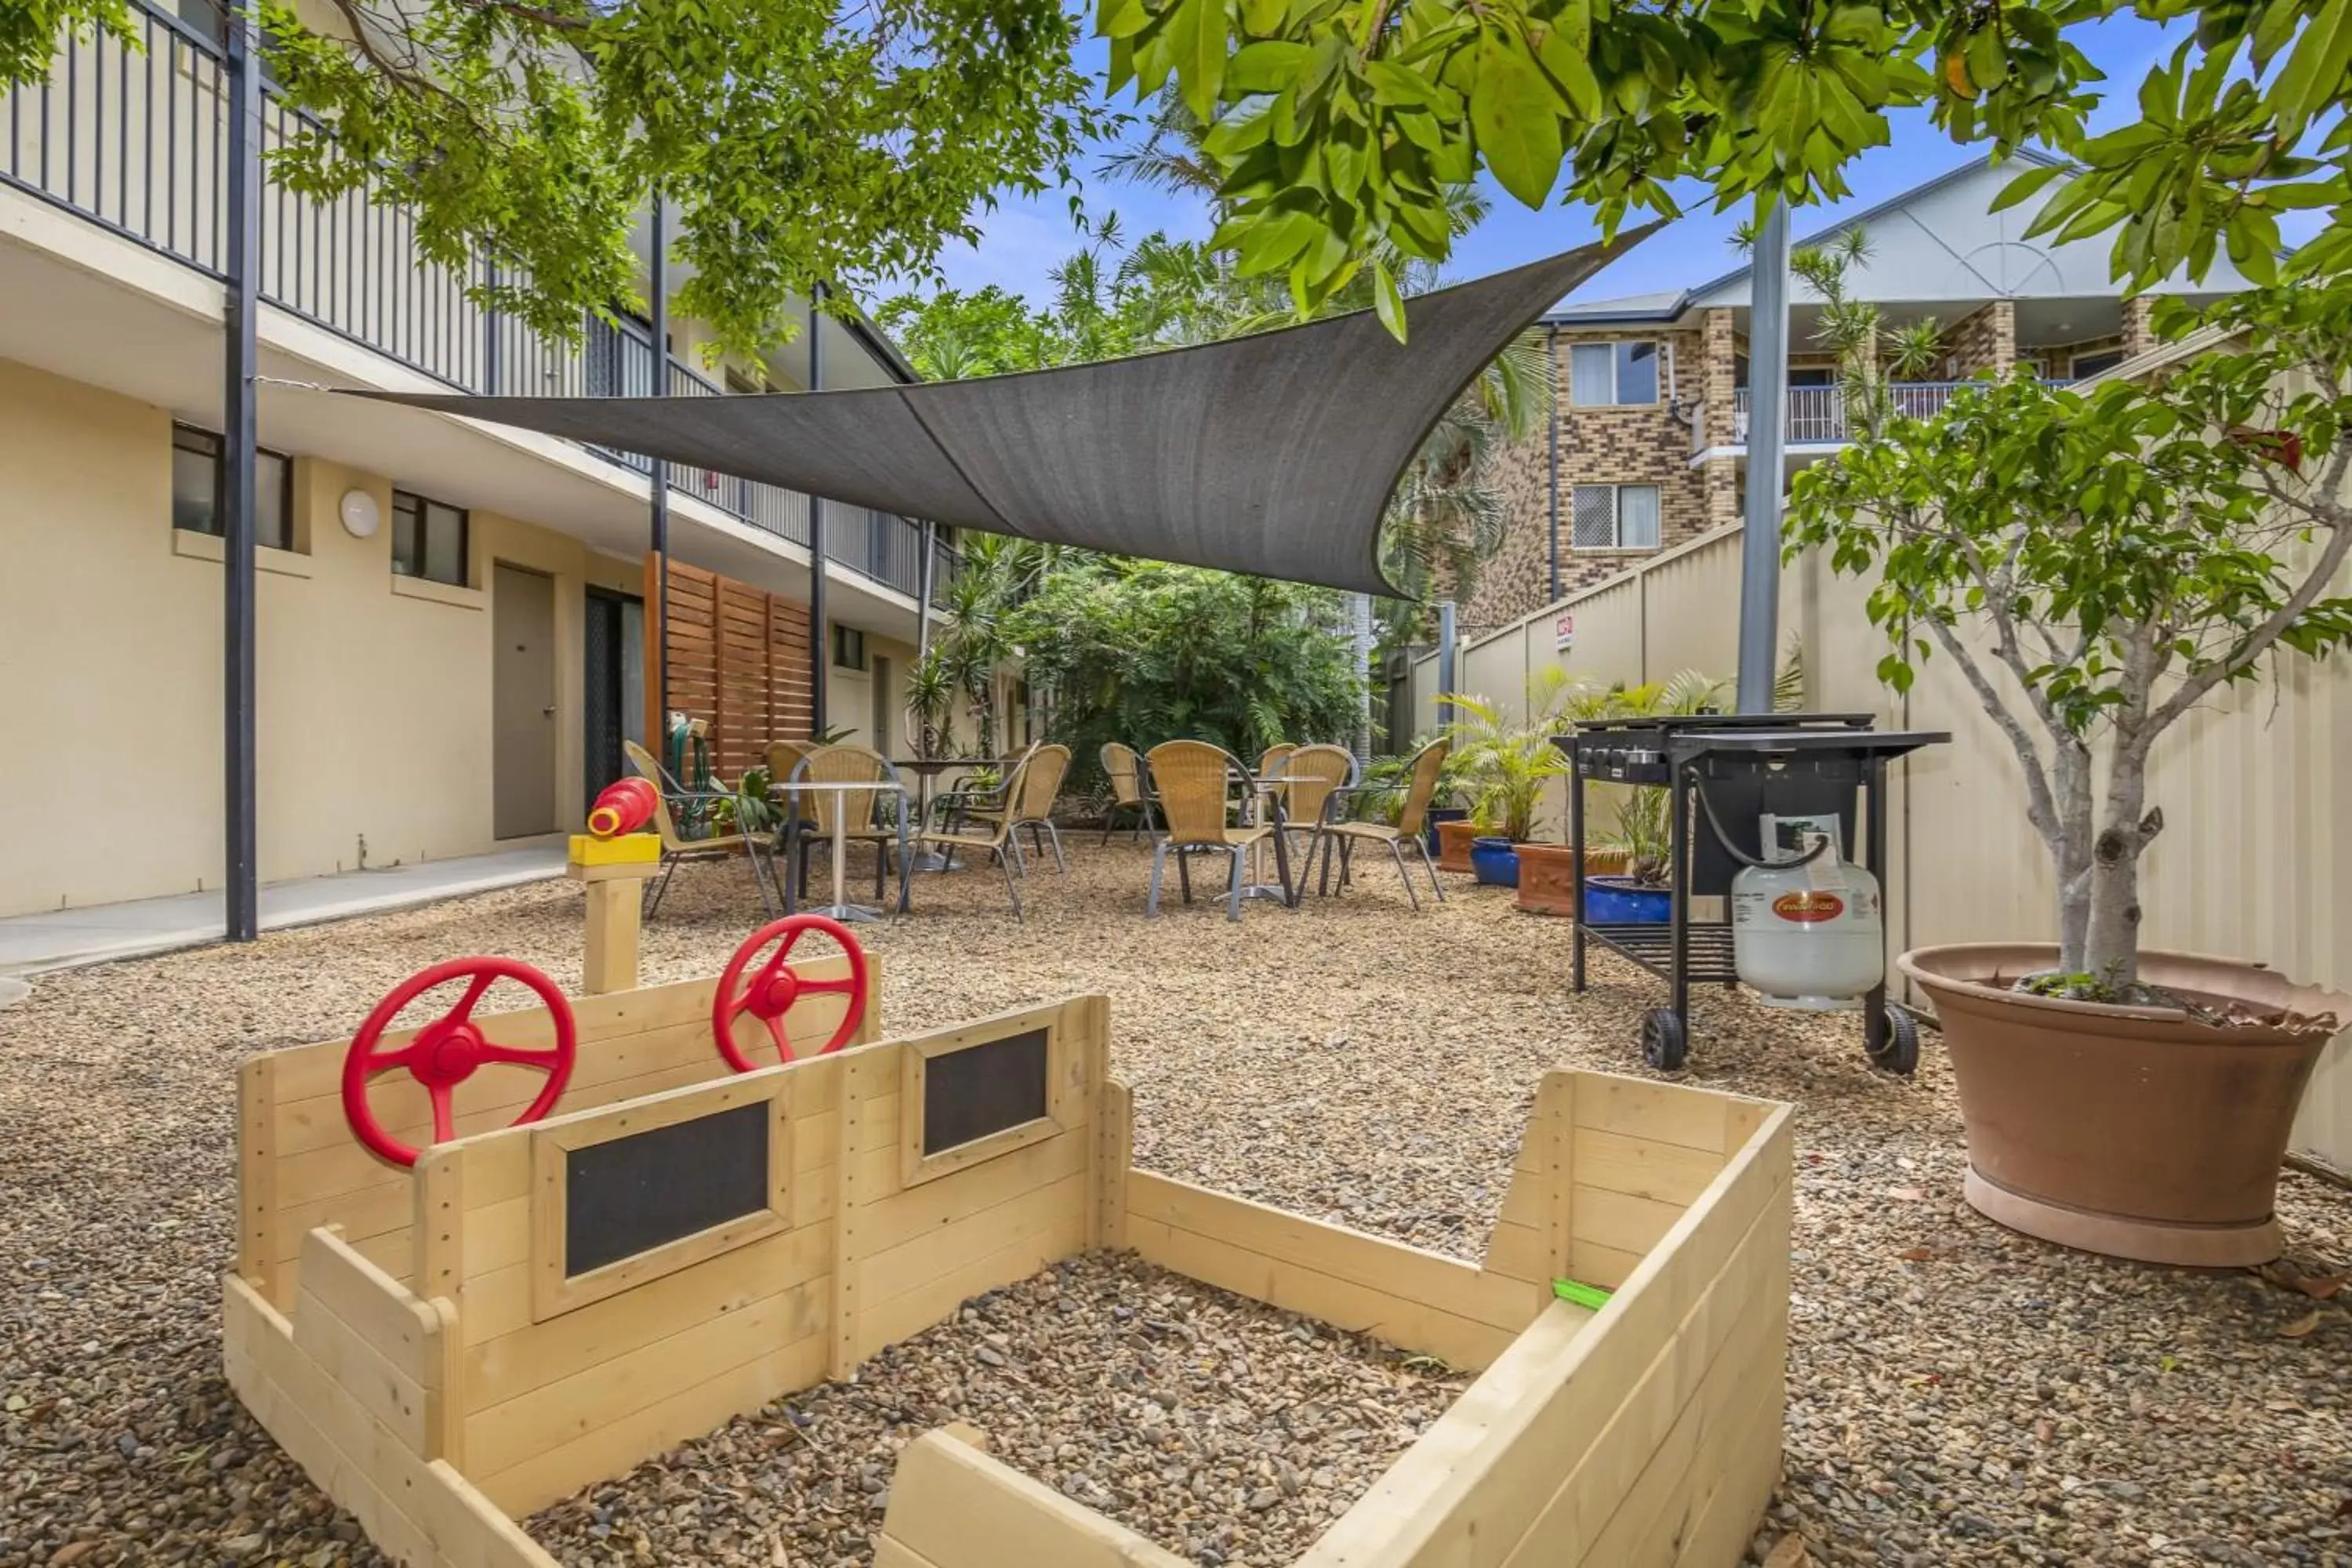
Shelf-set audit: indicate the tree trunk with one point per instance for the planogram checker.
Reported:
(2111, 937)
(2070, 785)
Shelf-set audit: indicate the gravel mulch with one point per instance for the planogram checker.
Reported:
(1234, 1432)
(1958, 1394)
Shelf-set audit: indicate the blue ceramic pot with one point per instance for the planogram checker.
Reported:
(1494, 861)
(1437, 814)
(1618, 900)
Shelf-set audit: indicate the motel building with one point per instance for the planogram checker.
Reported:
(453, 634)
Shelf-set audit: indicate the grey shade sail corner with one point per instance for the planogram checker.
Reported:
(1272, 455)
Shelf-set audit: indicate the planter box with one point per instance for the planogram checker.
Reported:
(1453, 845)
(1548, 875)
(442, 1382)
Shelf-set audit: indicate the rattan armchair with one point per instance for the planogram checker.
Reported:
(1189, 778)
(676, 848)
(993, 833)
(1420, 790)
(1314, 780)
(1125, 769)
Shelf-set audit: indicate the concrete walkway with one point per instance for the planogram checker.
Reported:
(68, 938)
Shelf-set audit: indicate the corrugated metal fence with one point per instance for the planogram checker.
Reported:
(2256, 855)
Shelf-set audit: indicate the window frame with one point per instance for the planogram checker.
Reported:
(1617, 489)
(837, 636)
(1620, 352)
(2112, 357)
(217, 455)
(424, 505)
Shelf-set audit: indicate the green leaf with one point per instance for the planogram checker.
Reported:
(2314, 73)
(1388, 300)
(1267, 66)
(2023, 186)
(1196, 43)
(1515, 115)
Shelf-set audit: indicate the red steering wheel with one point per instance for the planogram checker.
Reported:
(444, 1053)
(770, 993)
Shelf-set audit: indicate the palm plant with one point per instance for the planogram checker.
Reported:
(1644, 824)
(1507, 762)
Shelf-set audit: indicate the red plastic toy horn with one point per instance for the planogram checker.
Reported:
(770, 993)
(623, 806)
(444, 1053)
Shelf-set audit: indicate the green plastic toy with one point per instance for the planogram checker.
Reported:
(1591, 1297)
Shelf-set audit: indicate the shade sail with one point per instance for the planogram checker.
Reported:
(1272, 455)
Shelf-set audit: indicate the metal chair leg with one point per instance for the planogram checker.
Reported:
(1431, 867)
(1013, 886)
(1159, 862)
(660, 885)
(1396, 851)
(1061, 867)
(1323, 876)
(1184, 871)
(1233, 888)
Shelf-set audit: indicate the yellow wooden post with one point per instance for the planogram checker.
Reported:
(614, 870)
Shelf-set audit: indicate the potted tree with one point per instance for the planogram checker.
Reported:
(2097, 563)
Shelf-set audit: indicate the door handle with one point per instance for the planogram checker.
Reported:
(548, 712)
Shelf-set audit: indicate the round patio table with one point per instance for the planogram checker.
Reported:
(840, 909)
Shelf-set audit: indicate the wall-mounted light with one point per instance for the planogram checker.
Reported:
(359, 513)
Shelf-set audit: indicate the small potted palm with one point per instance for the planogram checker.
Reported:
(1507, 765)
(1634, 890)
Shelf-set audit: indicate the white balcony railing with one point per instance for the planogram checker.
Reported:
(134, 141)
(1817, 414)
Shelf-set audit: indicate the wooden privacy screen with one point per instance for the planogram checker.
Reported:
(299, 1166)
(738, 660)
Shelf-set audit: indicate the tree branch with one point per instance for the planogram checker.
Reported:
(2257, 642)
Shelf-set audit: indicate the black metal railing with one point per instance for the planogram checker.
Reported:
(134, 139)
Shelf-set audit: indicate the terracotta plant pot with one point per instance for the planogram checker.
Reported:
(2134, 1131)
(1548, 875)
(1454, 845)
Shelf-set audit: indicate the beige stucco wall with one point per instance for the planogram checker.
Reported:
(375, 693)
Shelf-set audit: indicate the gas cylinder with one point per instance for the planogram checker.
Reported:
(1808, 935)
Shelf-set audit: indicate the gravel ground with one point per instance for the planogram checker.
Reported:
(1958, 1394)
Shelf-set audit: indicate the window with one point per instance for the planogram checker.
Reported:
(849, 648)
(428, 539)
(1603, 374)
(1811, 376)
(1614, 517)
(2092, 364)
(196, 479)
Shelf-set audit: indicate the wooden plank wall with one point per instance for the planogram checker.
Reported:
(300, 1167)
(738, 660)
(1651, 1431)
(548, 1407)
(352, 1387)
(950, 1504)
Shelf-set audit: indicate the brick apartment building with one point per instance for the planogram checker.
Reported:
(1649, 443)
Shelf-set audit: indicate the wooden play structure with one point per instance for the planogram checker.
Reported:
(447, 1346)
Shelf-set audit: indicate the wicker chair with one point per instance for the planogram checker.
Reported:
(1408, 829)
(1125, 771)
(1269, 766)
(993, 833)
(1313, 778)
(1031, 806)
(1189, 778)
(677, 849)
(812, 820)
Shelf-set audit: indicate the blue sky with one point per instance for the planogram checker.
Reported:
(1022, 240)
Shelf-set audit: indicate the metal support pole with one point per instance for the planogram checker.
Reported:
(1445, 655)
(1767, 429)
(1551, 369)
(240, 362)
(660, 265)
(925, 577)
(820, 639)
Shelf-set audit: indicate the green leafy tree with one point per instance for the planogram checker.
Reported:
(2097, 563)
(1337, 126)
(1141, 652)
(799, 142)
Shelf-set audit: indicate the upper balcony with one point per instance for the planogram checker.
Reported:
(133, 139)
(1817, 414)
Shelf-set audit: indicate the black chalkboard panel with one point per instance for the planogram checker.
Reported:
(633, 1193)
(971, 1093)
